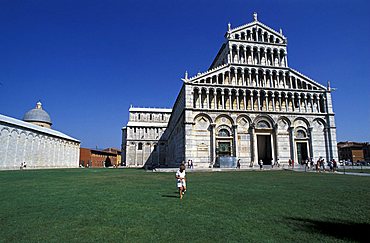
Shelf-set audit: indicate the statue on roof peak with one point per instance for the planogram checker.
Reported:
(255, 16)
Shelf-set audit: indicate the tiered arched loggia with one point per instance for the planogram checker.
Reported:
(257, 77)
(239, 99)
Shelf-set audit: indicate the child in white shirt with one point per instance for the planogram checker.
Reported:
(181, 181)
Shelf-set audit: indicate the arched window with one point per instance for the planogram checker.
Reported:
(140, 146)
(300, 134)
(263, 124)
(224, 133)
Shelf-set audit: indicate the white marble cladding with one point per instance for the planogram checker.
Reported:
(38, 147)
(286, 131)
(251, 105)
(142, 142)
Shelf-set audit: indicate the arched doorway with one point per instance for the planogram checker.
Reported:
(302, 145)
(224, 143)
(224, 148)
(107, 162)
(265, 142)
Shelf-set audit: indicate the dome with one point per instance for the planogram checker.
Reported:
(38, 116)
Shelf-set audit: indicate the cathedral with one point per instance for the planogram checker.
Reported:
(249, 106)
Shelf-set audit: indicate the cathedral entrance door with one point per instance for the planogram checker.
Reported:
(224, 149)
(264, 149)
(302, 152)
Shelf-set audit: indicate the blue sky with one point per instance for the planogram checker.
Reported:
(87, 61)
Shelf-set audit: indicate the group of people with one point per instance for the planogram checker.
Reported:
(190, 164)
(23, 165)
(319, 165)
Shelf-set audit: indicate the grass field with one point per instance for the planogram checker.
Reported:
(130, 205)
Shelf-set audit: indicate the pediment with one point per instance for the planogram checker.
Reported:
(212, 77)
(305, 82)
(256, 32)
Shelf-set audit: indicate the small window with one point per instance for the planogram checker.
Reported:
(224, 133)
(263, 124)
(140, 146)
(300, 134)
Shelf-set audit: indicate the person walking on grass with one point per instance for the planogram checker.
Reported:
(260, 163)
(181, 181)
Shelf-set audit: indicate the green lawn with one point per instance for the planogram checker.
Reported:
(129, 205)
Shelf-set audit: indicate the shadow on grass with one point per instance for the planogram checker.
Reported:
(341, 230)
(171, 196)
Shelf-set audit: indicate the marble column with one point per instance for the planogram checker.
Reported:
(235, 131)
(237, 101)
(292, 145)
(222, 99)
(207, 100)
(213, 142)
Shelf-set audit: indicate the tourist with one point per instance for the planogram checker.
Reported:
(188, 163)
(24, 164)
(21, 167)
(335, 165)
(191, 164)
(260, 163)
(290, 162)
(318, 166)
(181, 181)
(330, 164)
(322, 164)
(238, 164)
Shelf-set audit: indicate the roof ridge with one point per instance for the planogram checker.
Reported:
(292, 69)
(208, 71)
(258, 22)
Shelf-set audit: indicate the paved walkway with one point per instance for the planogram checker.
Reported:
(265, 168)
(353, 173)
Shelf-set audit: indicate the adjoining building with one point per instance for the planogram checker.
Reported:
(248, 106)
(32, 141)
(142, 142)
(354, 151)
(99, 158)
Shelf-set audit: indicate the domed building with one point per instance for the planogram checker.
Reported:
(34, 143)
(38, 116)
